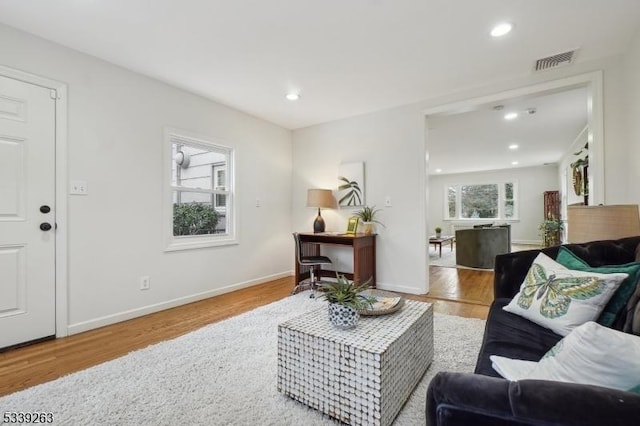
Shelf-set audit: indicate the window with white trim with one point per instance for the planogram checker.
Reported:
(200, 192)
(481, 201)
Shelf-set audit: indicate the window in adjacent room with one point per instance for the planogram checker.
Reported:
(509, 201)
(201, 192)
(481, 201)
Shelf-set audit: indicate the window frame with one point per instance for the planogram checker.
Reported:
(188, 242)
(501, 202)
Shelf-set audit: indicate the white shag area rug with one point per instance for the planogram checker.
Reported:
(222, 374)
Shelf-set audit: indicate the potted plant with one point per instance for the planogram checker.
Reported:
(345, 301)
(368, 219)
(550, 230)
(438, 232)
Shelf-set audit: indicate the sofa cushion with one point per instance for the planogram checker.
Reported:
(511, 268)
(620, 298)
(512, 336)
(562, 299)
(593, 355)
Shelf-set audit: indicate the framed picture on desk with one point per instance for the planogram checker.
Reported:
(352, 226)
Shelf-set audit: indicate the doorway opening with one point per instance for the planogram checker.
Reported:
(449, 282)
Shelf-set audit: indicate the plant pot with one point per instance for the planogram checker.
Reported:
(343, 316)
(438, 234)
(368, 227)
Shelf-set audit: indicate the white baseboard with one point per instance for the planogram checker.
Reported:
(400, 288)
(146, 310)
(528, 242)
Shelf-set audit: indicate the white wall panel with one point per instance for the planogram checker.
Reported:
(13, 280)
(12, 179)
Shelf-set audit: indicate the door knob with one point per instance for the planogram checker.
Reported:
(45, 226)
(45, 209)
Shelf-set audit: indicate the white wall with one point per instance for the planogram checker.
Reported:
(632, 82)
(532, 182)
(116, 120)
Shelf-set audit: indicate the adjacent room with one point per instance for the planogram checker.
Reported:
(365, 212)
(517, 154)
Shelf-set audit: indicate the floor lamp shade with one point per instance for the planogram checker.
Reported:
(594, 223)
(321, 199)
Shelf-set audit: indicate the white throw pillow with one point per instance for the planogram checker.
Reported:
(562, 299)
(512, 369)
(592, 355)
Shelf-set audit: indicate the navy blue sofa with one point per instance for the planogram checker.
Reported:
(484, 398)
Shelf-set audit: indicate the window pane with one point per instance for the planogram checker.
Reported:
(508, 209)
(479, 201)
(220, 176)
(193, 214)
(451, 198)
(192, 166)
(221, 201)
(508, 191)
(219, 183)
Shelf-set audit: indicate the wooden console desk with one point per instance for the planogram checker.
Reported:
(364, 255)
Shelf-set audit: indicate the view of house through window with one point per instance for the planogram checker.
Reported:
(200, 188)
(483, 201)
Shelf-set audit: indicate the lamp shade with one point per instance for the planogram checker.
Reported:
(593, 223)
(321, 198)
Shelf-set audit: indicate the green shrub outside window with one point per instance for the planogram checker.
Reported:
(194, 219)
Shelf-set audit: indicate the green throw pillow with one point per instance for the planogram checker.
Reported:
(611, 310)
(635, 389)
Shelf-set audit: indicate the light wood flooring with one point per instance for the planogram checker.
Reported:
(24, 367)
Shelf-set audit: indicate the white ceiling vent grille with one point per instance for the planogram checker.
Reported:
(555, 61)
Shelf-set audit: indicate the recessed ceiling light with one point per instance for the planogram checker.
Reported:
(293, 96)
(511, 116)
(514, 163)
(513, 146)
(438, 170)
(501, 29)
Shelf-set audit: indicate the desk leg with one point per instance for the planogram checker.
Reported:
(364, 260)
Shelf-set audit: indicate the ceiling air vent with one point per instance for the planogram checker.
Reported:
(554, 61)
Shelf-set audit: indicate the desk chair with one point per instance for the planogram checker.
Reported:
(312, 261)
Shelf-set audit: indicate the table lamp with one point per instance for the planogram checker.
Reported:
(322, 199)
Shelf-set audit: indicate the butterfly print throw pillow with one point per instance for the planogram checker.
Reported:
(562, 299)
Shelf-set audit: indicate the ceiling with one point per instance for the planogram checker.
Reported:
(344, 57)
(479, 140)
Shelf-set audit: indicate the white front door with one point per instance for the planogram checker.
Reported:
(27, 212)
